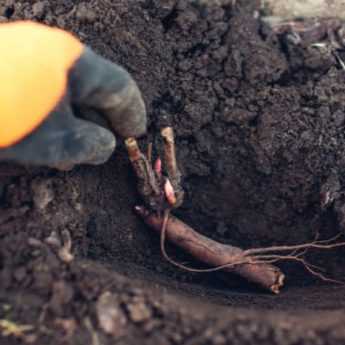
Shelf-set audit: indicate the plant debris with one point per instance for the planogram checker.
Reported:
(9, 328)
(61, 244)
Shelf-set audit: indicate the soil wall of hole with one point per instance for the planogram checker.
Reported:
(260, 142)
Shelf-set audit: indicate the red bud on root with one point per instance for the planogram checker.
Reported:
(158, 166)
(169, 193)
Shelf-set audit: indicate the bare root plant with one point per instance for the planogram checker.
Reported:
(162, 194)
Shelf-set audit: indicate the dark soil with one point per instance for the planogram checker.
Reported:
(260, 140)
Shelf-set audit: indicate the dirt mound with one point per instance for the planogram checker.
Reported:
(260, 140)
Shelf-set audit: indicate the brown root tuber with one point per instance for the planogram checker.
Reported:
(216, 254)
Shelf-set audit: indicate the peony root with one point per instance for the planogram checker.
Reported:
(161, 194)
(216, 254)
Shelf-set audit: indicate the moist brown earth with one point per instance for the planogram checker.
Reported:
(260, 142)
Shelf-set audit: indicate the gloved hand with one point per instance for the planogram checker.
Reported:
(45, 72)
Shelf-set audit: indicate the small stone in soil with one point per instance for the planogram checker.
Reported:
(111, 318)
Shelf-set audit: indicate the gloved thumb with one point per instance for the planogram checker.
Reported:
(107, 87)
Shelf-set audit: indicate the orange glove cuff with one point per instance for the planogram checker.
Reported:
(34, 65)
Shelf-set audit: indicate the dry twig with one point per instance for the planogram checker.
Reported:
(62, 245)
